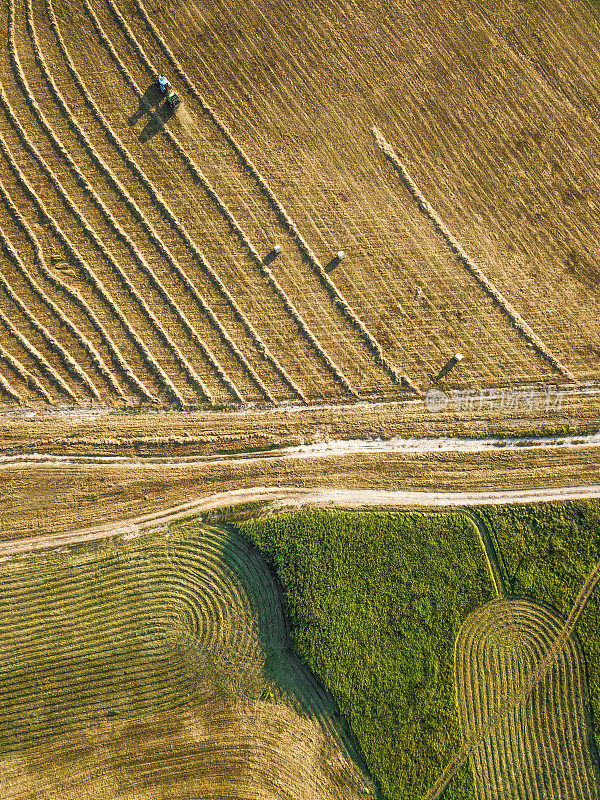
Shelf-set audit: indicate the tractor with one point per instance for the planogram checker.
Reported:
(162, 83)
(173, 99)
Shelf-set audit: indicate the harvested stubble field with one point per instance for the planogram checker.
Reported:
(137, 243)
(38, 499)
(146, 432)
(161, 667)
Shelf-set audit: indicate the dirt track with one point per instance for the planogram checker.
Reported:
(281, 498)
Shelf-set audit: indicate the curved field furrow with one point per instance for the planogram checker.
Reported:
(69, 362)
(234, 225)
(544, 746)
(141, 219)
(339, 301)
(177, 630)
(57, 283)
(139, 216)
(24, 375)
(65, 321)
(89, 274)
(36, 357)
(239, 318)
(117, 231)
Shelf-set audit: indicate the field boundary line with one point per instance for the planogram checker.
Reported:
(168, 214)
(96, 358)
(125, 197)
(198, 175)
(112, 222)
(372, 344)
(71, 250)
(517, 320)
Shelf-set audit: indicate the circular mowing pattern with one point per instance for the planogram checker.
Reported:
(543, 747)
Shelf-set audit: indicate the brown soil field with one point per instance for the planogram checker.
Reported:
(138, 259)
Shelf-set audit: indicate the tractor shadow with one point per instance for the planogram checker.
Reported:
(157, 121)
(151, 98)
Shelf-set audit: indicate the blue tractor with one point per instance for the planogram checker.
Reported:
(162, 83)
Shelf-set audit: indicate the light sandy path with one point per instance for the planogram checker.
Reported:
(289, 497)
(324, 449)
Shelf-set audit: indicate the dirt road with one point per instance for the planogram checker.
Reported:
(324, 449)
(280, 498)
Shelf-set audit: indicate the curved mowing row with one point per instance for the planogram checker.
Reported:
(124, 631)
(86, 214)
(544, 746)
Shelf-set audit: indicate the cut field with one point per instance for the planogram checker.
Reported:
(161, 666)
(138, 260)
(543, 747)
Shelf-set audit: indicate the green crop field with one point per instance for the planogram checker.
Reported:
(376, 602)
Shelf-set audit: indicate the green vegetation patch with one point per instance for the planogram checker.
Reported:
(376, 601)
(548, 551)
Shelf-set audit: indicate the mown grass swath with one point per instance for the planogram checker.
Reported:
(124, 196)
(185, 626)
(199, 176)
(121, 364)
(542, 747)
(549, 550)
(282, 214)
(118, 232)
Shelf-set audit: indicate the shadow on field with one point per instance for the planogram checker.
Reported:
(151, 98)
(290, 677)
(156, 122)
